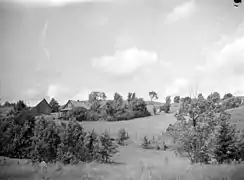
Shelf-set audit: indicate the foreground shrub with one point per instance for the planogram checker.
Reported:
(16, 137)
(45, 141)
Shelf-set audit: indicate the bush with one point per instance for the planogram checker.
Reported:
(226, 149)
(145, 143)
(16, 137)
(45, 142)
(165, 108)
(122, 136)
(106, 147)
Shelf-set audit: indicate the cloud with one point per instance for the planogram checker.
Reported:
(125, 62)
(178, 87)
(58, 92)
(182, 11)
(224, 67)
(50, 3)
(227, 61)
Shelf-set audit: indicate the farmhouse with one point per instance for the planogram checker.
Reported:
(42, 108)
(74, 104)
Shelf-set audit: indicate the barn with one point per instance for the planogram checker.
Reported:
(42, 108)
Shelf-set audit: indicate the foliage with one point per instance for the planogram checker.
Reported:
(165, 108)
(20, 106)
(207, 134)
(122, 136)
(226, 141)
(214, 97)
(176, 99)
(227, 96)
(80, 113)
(107, 148)
(45, 141)
(232, 102)
(168, 100)
(153, 95)
(96, 96)
(54, 105)
(16, 137)
(146, 143)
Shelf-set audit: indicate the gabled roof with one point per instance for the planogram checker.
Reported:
(75, 104)
(42, 107)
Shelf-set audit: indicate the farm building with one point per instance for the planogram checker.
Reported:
(74, 104)
(42, 108)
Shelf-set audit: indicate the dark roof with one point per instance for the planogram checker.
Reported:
(42, 108)
(75, 104)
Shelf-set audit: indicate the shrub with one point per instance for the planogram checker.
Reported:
(122, 136)
(145, 143)
(226, 141)
(17, 137)
(45, 141)
(106, 147)
(165, 108)
(71, 148)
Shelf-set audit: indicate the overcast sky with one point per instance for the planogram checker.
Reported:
(66, 49)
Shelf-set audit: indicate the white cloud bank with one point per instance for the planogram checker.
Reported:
(182, 11)
(125, 61)
(224, 68)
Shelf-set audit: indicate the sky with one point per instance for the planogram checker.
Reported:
(67, 48)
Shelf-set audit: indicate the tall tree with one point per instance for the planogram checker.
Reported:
(168, 100)
(153, 95)
(227, 96)
(214, 97)
(176, 99)
(131, 97)
(97, 96)
(54, 105)
(20, 106)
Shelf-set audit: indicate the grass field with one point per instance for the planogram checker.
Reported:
(131, 162)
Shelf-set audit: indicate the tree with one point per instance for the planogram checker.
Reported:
(176, 99)
(117, 102)
(107, 147)
(97, 96)
(45, 141)
(130, 98)
(168, 100)
(54, 105)
(226, 141)
(227, 96)
(215, 97)
(20, 106)
(153, 95)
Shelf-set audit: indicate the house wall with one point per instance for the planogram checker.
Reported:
(69, 105)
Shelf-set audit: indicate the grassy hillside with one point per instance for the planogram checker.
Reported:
(237, 116)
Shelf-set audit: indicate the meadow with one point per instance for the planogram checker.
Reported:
(131, 162)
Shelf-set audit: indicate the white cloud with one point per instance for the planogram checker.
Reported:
(182, 11)
(125, 61)
(178, 87)
(58, 92)
(224, 67)
(43, 3)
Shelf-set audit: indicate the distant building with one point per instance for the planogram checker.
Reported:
(42, 108)
(74, 104)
